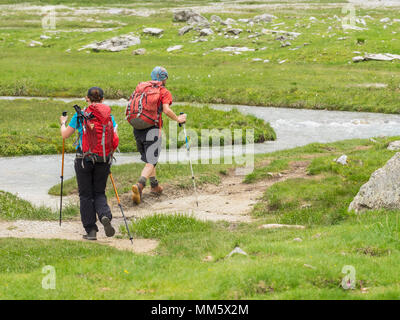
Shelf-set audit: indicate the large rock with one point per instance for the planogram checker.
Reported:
(394, 146)
(382, 191)
(228, 22)
(174, 48)
(184, 15)
(199, 21)
(234, 31)
(215, 18)
(184, 30)
(114, 44)
(191, 17)
(264, 18)
(153, 31)
(206, 32)
(139, 52)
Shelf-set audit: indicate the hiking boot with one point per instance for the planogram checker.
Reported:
(137, 192)
(108, 228)
(91, 235)
(157, 190)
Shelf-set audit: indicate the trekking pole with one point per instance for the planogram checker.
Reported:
(120, 206)
(64, 114)
(190, 160)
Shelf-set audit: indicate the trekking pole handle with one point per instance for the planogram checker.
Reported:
(64, 114)
(180, 124)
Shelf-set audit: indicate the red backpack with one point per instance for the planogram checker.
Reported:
(144, 106)
(99, 138)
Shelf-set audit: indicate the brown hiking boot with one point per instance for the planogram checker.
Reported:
(137, 193)
(157, 190)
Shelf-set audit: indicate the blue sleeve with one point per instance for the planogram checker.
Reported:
(113, 120)
(74, 121)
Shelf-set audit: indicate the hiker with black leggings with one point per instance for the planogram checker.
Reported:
(144, 112)
(97, 141)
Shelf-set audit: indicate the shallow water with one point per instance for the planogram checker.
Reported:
(30, 177)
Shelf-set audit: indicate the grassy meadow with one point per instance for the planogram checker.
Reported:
(31, 127)
(316, 71)
(191, 260)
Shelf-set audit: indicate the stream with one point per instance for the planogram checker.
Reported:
(30, 177)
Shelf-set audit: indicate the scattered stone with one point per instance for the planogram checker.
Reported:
(236, 250)
(287, 33)
(266, 61)
(199, 21)
(185, 30)
(206, 32)
(297, 240)
(361, 21)
(316, 236)
(394, 145)
(208, 259)
(351, 27)
(281, 38)
(44, 37)
(385, 20)
(185, 15)
(382, 191)
(139, 52)
(174, 48)
(343, 38)
(114, 44)
(199, 40)
(286, 44)
(153, 31)
(68, 50)
(372, 85)
(244, 20)
(358, 59)
(233, 49)
(34, 43)
(309, 266)
(257, 59)
(377, 57)
(234, 31)
(280, 226)
(313, 19)
(264, 18)
(228, 22)
(342, 160)
(282, 61)
(215, 19)
(373, 140)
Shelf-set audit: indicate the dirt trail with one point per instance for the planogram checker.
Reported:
(230, 201)
(72, 230)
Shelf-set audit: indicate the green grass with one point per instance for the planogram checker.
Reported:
(319, 75)
(14, 208)
(324, 196)
(275, 268)
(191, 260)
(159, 226)
(32, 127)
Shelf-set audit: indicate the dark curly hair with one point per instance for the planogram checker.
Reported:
(95, 94)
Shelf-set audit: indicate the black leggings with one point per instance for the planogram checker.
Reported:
(92, 181)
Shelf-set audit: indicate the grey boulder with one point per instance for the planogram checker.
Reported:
(394, 146)
(382, 191)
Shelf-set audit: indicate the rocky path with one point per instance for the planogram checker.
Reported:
(230, 201)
